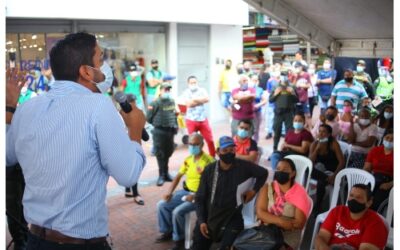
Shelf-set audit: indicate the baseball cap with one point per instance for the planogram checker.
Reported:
(132, 67)
(168, 78)
(361, 62)
(225, 142)
(165, 85)
(154, 61)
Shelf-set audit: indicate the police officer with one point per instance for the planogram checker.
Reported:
(161, 114)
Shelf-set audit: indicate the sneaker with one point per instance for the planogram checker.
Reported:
(179, 245)
(164, 237)
(160, 181)
(168, 178)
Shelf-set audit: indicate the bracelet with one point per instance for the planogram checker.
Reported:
(10, 109)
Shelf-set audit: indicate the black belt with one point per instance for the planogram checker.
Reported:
(55, 236)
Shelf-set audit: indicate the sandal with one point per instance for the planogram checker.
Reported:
(138, 200)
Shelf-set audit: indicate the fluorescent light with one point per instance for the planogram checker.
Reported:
(35, 45)
(24, 47)
(34, 37)
(9, 42)
(40, 49)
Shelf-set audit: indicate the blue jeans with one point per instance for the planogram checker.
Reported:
(171, 215)
(225, 99)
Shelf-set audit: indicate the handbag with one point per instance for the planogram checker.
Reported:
(264, 237)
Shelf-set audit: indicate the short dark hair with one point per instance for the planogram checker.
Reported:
(366, 188)
(299, 113)
(191, 77)
(248, 122)
(70, 53)
(349, 101)
(332, 107)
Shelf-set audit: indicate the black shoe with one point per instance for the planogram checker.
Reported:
(160, 181)
(269, 136)
(179, 245)
(20, 245)
(164, 237)
(283, 135)
(168, 178)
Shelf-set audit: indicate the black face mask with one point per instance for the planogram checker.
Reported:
(228, 158)
(348, 79)
(281, 177)
(155, 68)
(330, 117)
(240, 71)
(355, 206)
(228, 67)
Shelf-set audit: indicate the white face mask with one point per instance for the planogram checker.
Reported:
(387, 115)
(327, 66)
(193, 87)
(133, 74)
(311, 71)
(364, 122)
(106, 70)
(360, 68)
(275, 73)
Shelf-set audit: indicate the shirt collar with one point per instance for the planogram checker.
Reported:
(71, 86)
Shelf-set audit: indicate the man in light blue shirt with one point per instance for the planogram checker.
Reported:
(68, 142)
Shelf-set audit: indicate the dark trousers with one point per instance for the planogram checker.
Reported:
(36, 243)
(164, 147)
(322, 182)
(134, 189)
(279, 118)
(232, 230)
(15, 186)
(380, 195)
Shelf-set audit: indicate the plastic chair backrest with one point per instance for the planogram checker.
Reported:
(389, 210)
(260, 153)
(353, 176)
(346, 150)
(303, 169)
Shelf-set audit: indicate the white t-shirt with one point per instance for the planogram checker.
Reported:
(197, 113)
(362, 135)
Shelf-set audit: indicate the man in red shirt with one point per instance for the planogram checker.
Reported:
(354, 226)
(246, 147)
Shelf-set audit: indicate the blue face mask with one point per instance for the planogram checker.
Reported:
(298, 125)
(244, 86)
(387, 144)
(243, 133)
(108, 78)
(194, 150)
(165, 95)
(387, 115)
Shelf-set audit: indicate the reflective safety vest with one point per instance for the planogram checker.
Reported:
(384, 88)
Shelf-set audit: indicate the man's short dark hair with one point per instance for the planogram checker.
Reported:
(299, 113)
(248, 122)
(366, 188)
(70, 53)
(332, 107)
(191, 77)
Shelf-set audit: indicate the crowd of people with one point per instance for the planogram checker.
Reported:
(86, 141)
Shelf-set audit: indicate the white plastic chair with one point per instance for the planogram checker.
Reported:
(389, 220)
(303, 169)
(188, 229)
(346, 150)
(353, 176)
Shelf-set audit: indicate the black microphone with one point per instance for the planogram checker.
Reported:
(123, 101)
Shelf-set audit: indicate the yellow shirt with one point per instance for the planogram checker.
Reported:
(228, 79)
(193, 170)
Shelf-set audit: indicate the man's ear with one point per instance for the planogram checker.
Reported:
(369, 203)
(84, 73)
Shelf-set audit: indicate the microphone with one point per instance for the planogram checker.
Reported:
(123, 101)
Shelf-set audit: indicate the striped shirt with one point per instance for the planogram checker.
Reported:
(342, 92)
(68, 142)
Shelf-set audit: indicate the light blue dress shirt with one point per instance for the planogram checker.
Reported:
(68, 142)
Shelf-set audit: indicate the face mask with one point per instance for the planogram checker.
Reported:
(327, 66)
(194, 150)
(228, 67)
(355, 206)
(244, 86)
(323, 140)
(348, 79)
(155, 68)
(387, 144)
(165, 95)
(240, 71)
(193, 87)
(243, 133)
(281, 177)
(347, 109)
(311, 71)
(330, 117)
(297, 70)
(364, 122)
(387, 115)
(228, 158)
(106, 70)
(382, 72)
(275, 73)
(133, 74)
(298, 125)
(360, 69)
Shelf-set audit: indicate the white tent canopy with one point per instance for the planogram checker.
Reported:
(355, 28)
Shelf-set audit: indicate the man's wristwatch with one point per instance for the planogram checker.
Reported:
(10, 109)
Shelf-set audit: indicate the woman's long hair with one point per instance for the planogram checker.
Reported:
(330, 137)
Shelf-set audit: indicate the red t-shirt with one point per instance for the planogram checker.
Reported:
(296, 139)
(381, 163)
(368, 229)
(246, 146)
(246, 110)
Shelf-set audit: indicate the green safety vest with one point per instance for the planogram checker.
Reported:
(384, 88)
(133, 87)
(25, 97)
(153, 90)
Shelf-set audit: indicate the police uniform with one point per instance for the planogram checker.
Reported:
(161, 114)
